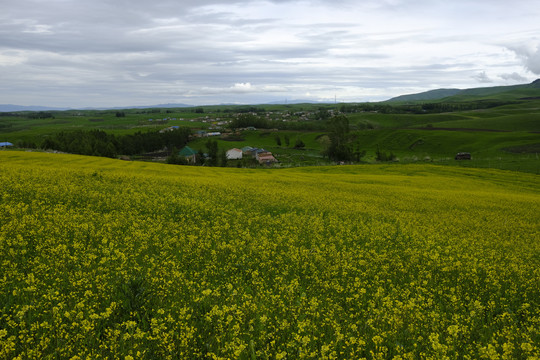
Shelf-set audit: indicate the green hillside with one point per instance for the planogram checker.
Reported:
(506, 93)
(500, 126)
(427, 95)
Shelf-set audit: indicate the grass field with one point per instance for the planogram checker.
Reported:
(103, 258)
(505, 137)
(23, 128)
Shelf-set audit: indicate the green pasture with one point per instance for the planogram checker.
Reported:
(493, 93)
(505, 137)
(23, 128)
(516, 117)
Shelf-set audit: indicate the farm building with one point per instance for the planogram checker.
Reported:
(261, 152)
(234, 154)
(5, 144)
(170, 128)
(188, 153)
(266, 158)
(463, 156)
(246, 150)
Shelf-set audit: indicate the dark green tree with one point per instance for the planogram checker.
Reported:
(299, 144)
(200, 157)
(212, 147)
(340, 148)
(358, 154)
(287, 140)
(223, 158)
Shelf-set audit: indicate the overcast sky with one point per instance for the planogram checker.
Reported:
(82, 53)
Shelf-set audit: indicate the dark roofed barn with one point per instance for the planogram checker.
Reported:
(463, 156)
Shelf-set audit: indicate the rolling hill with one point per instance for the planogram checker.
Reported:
(513, 92)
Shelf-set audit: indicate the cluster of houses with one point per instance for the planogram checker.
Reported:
(261, 155)
(170, 128)
(217, 123)
(204, 133)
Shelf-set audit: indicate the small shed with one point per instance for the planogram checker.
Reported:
(5, 144)
(234, 154)
(463, 156)
(188, 153)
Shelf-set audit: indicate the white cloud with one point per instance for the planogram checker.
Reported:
(242, 87)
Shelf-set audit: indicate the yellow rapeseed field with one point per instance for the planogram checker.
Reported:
(102, 258)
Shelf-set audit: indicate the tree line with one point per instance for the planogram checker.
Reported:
(422, 108)
(100, 143)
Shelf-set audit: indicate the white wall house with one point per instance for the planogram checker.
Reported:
(234, 154)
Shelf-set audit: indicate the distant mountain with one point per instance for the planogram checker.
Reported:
(10, 108)
(169, 105)
(512, 92)
(295, 101)
(14, 108)
(161, 106)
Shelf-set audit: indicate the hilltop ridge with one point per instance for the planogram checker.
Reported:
(493, 92)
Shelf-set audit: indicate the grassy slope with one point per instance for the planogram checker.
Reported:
(503, 93)
(392, 132)
(25, 129)
(524, 116)
(513, 145)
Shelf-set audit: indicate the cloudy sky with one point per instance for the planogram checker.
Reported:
(82, 53)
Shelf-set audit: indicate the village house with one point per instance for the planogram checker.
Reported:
(266, 158)
(260, 152)
(189, 154)
(170, 128)
(234, 154)
(250, 151)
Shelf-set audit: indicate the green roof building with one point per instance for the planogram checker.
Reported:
(188, 153)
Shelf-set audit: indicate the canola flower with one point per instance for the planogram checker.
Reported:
(108, 259)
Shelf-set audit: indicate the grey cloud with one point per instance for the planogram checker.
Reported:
(513, 77)
(482, 77)
(529, 57)
(103, 50)
(532, 61)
